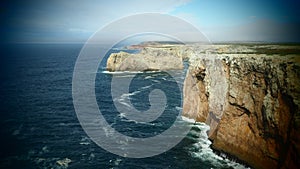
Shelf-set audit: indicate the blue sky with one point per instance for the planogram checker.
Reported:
(220, 20)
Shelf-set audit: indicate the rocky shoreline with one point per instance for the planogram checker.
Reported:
(248, 94)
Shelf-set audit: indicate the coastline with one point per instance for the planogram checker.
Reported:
(256, 83)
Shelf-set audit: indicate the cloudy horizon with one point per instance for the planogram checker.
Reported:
(223, 21)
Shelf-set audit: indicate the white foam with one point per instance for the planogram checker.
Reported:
(124, 119)
(121, 101)
(64, 162)
(203, 127)
(187, 119)
(201, 149)
(146, 87)
(124, 98)
(121, 72)
(122, 115)
(126, 95)
(117, 161)
(152, 71)
(178, 108)
(157, 81)
(85, 141)
(148, 77)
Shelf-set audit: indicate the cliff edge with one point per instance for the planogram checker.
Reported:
(149, 58)
(250, 98)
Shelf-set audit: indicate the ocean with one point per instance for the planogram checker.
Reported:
(40, 129)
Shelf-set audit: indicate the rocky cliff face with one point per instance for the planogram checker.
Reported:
(249, 95)
(250, 101)
(157, 58)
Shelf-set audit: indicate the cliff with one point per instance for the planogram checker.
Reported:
(249, 95)
(250, 101)
(150, 58)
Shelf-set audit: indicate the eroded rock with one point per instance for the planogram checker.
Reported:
(251, 102)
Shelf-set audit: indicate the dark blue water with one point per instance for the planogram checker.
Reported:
(40, 129)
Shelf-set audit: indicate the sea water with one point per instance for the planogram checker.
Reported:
(39, 127)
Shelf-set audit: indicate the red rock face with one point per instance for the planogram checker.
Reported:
(196, 101)
(259, 121)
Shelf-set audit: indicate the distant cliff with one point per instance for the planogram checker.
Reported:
(250, 101)
(159, 58)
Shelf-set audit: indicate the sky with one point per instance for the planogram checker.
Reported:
(74, 21)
